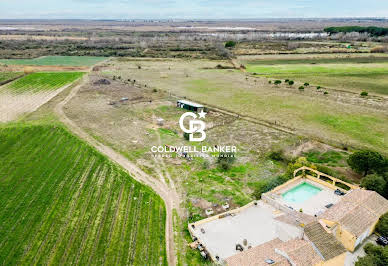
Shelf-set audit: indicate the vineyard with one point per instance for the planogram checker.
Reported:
(5, 76)
(64, 203)
(45, 81)
(56, 61)
(28, 93)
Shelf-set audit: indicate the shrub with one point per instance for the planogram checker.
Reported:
(319, 87)
(326, 93)
(382, 225)
(301, 88)
(364, 93)
(277, 82)
(291, 82)
(205, 164)
(307, 84)
(265, 185)
(379, 49)
(367, 161)
(155, 90)
(186, 136)
(230, 44)
(276, 156)
(374, 182)
(226, 159)
(270, 82)
(286, 81)
(301, 161)
(375, 256)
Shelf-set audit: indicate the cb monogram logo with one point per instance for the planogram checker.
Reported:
(195, 126)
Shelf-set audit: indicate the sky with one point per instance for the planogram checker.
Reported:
(190, 9)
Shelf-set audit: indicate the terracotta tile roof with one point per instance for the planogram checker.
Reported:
(325, 243)
(296, 219)
(357, 210)
(256, 256)
(339, 210)
(358, 220)
(377, 204)
(300, 252)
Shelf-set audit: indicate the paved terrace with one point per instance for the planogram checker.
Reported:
(256, 224)
(314, 205)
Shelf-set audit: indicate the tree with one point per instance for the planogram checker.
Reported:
(277, 82)
(382, 225)
(230, 44)
(374, 182)
(226, 159)
(291, 82)
(366, 161)
(301, 88)
(375, 256)
(364, 94)
(307, 84)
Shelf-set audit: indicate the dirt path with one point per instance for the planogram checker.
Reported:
(170, 196)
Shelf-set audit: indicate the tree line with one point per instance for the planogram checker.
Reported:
(372, 30)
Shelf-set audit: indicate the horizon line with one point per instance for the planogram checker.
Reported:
(197, 19)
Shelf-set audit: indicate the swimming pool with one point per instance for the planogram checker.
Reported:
(300, 193)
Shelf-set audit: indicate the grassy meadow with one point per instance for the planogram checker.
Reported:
(56, 61)
(314, 115)
(352, 74)
(62, 202)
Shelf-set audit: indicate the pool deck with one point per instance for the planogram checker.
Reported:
(256, 224)
(314, 205)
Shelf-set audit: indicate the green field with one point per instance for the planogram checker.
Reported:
(64, 203)
(56, 61)
(371, 76)
(318, 60)
(310, 113)
(4, 76)
(44, 81)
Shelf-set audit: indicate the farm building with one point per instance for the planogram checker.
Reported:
(355, 217)
(313, 219)
(191, 106)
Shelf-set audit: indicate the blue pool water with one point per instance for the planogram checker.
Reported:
(300, 193)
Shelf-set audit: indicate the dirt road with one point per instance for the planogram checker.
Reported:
(169, 195)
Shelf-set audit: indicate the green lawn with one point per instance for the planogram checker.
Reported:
(357, 77)
(4, 76)
(64, 203)
(56, 61)
(44, 81)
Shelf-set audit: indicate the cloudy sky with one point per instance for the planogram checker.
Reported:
(186, 9)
